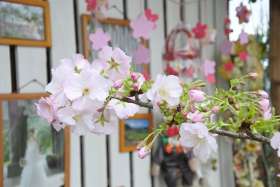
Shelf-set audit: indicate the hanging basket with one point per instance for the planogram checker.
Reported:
(173, 57)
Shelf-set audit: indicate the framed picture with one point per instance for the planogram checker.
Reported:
(121, 37)
(133, 130)
(25, 23)
(32, 153)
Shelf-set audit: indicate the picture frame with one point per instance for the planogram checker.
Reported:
(25, 23)
(114, 24)
(18, 118)
(133, 130)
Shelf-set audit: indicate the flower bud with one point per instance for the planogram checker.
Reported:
(263, 94)
(253, 75)
(215, 109)
(143, 152)
(196, 95)
(118, 84)
(134, 76)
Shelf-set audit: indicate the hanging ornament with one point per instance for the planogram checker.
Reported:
(99, 39)
(227, 29)
(243, 13)
(144, 24)
(141, 55)
(97, 7)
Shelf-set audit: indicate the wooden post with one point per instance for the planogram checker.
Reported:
(274, 66)
(275, 53)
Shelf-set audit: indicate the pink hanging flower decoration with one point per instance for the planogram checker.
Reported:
(208, 67)
(189, 71)
(211, 79)
(141, 55)
(229, 66)
(99, 39)
(243, 13)
(150, 15)
(226, 47)
(142, 27)
(200, 30)
(243, 55)
(243, 37)
(91, 5)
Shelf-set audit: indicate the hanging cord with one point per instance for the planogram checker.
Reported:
(31, 82)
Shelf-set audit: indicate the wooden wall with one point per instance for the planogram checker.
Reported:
(124, 169)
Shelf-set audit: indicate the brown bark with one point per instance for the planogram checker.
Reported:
(274, 42)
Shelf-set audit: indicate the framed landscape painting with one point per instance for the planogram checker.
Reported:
(133, 130)
(25, 23)
(32, 153)
(121, 37)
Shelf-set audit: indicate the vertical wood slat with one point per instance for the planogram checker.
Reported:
(63, 46)
(31, 65)
(5, 70)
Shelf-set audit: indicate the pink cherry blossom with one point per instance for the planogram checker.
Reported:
(142, 27)
(195, 116)
(99, 39)
(46, 109)
(275, 142)
(143, 152)
(66, 69)
(243, 37)
(196, 136)
(122, 109)
(108, 126)
(264, 104)
(208, 67)
(196, 95)
(165, 88)
(263, 94)
(141, 55)
(88, 84)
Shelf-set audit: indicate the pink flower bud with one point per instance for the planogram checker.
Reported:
(263, 94)
(143, 152)
(196, 95)
(195, 116)
(253, 75)
(118, 84)
(135, 87)
(134, 76)
(215, 109)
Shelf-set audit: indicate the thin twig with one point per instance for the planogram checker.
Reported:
(256, 137)
(249, 136)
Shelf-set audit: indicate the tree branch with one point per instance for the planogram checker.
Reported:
(256, 137)
(249, 136)
(140, 103)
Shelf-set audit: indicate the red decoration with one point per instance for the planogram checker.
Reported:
(150, 15)
(200, 30)
(229, 66)
(172, 131)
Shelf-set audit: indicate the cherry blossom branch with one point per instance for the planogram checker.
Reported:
(256, 137)
(137, 102)
(250, 136)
